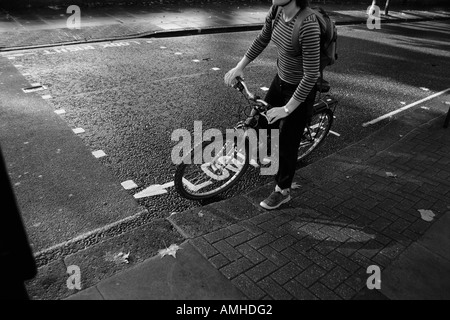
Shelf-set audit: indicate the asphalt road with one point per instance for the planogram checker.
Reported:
(129, 96)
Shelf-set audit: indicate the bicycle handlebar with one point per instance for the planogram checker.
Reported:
(261, 106)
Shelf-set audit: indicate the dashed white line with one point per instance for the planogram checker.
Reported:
(46, 97)
(99, 153)
(129, 184)
(78, 130)
(60, 111)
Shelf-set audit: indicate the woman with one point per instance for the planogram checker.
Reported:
(292, 90)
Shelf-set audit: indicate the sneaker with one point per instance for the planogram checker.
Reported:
(276, 199)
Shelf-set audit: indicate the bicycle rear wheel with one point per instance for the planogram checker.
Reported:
(315, 133)
(228, 161)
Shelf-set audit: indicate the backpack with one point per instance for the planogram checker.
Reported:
(328, 34)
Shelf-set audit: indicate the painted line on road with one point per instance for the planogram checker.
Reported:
(390, 114)
(129, 184)
(99, 153)
(92, 233)
(60, 111)
(78, 130)
(335, 133)
(46, 97)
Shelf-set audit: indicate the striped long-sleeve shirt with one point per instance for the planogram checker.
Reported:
(295, 69)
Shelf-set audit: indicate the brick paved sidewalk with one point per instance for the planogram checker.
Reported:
(350, 213)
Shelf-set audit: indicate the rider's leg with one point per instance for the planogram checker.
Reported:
(291, 132)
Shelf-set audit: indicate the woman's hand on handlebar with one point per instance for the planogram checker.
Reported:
(231, 75)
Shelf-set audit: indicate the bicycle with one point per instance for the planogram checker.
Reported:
(199, 181)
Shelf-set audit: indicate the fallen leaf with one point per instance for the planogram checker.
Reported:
(172, 251)
(427, 215)
(200, 214)
(118, 258)
(391, 175)
(123, 257)
(295, 185)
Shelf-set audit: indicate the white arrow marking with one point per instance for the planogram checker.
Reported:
(154, 190)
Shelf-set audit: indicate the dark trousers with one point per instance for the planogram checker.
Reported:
(291, 128)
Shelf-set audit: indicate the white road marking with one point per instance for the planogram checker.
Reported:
(129, 184)
(178, 53)
(195, 188)
(264, 89)
(78, 130)
(46, 97)
(154, 190)
(335, 133)
(216, 69)
(390, 114)
(60, 111)
(90, 233)
(98, 153)
(196, 60)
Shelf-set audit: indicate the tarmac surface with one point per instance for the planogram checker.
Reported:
(383, 201)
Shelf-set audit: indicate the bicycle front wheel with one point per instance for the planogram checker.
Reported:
(223, 163)
(315, 133)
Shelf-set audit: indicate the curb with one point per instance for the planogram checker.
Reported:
(203, 31)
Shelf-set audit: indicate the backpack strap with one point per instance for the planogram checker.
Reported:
(302, 15)
(275, 12)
